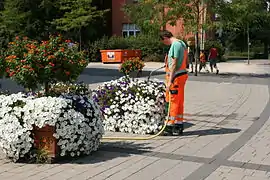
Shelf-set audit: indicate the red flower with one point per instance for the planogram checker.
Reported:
(67, 73)
(51, 64)
(11, 74)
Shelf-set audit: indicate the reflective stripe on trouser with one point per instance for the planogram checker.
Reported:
(177, 100)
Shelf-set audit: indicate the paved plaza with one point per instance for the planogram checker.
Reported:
(227, 136)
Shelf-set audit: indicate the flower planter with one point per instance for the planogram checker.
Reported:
(75, 128)
(132, 105)
(44, 140)
(118, 55)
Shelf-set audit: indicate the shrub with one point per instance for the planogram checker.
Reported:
(131, 65)
(133, 106)
(150, 46)
(217, 44)
(2, 65)
(31, 63)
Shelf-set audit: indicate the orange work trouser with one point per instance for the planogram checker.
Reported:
(177, 90)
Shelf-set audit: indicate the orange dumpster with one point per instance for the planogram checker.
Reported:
(118, 55)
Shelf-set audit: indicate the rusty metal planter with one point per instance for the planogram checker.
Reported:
(44, 140)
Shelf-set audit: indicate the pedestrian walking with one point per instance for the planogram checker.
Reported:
(176, 77)
(213, 54)
(191, 59)
(203, 61)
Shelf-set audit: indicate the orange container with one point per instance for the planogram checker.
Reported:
(118, 55)
(111, 56)
(137, 53)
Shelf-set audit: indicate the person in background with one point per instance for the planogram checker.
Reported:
(191, 59)
(203, 61)
(176, 77)
(212, 58)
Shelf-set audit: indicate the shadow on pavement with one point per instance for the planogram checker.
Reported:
(114, 72)
(208, 132)
(233, 115)
(229, 75)
(108, 151)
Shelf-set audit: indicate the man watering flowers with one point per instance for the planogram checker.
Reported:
(176, 77)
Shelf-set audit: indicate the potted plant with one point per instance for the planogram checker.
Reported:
(132, 67)
(31, 63)
(58, 120)
(132, 106)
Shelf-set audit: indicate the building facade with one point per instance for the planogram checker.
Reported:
(122, 26)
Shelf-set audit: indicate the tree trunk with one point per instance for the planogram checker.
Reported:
(197, 53)
(80, 38)
(197, 40)
(265, 52)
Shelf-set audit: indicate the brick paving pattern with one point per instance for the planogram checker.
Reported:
(227, 138)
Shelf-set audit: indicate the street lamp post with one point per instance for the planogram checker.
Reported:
(248, 42)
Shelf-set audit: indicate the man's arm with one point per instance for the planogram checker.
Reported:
(173, 69)
(176, 55)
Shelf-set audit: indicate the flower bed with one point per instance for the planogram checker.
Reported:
(132, 105)
(77, 121)
(57, 120)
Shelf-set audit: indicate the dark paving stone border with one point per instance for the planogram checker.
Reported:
(227, 79)
(219, 159)
(211, 163)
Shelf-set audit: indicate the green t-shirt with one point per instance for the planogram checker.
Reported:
(176, 51)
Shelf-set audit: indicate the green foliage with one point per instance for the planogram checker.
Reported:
(147, 15)
(152, 48)
(31, 63)
(216, 44)
(240, 17)
(131, 65)
(38, 19)
(28, 18)
(2, 64)
(77, 14)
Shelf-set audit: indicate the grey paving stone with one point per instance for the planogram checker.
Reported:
(156, 169)
(180, 171)
(130, 170)
(212, 106)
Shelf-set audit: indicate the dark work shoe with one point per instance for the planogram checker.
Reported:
(178, 130)
(217, 71)
(168, 131)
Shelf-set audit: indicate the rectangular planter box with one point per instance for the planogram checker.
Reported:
(118, 55)
(45, 140)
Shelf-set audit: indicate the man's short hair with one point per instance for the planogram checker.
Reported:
(165, 34)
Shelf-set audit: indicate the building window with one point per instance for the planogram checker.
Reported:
(130, 30)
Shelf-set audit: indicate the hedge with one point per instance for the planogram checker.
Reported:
(152, 48)
(216, 44)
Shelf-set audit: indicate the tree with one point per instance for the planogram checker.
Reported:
(147, 15)
(26, 18)
(249, 16)
(77, 14)
(196, 18)
(155, 14)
